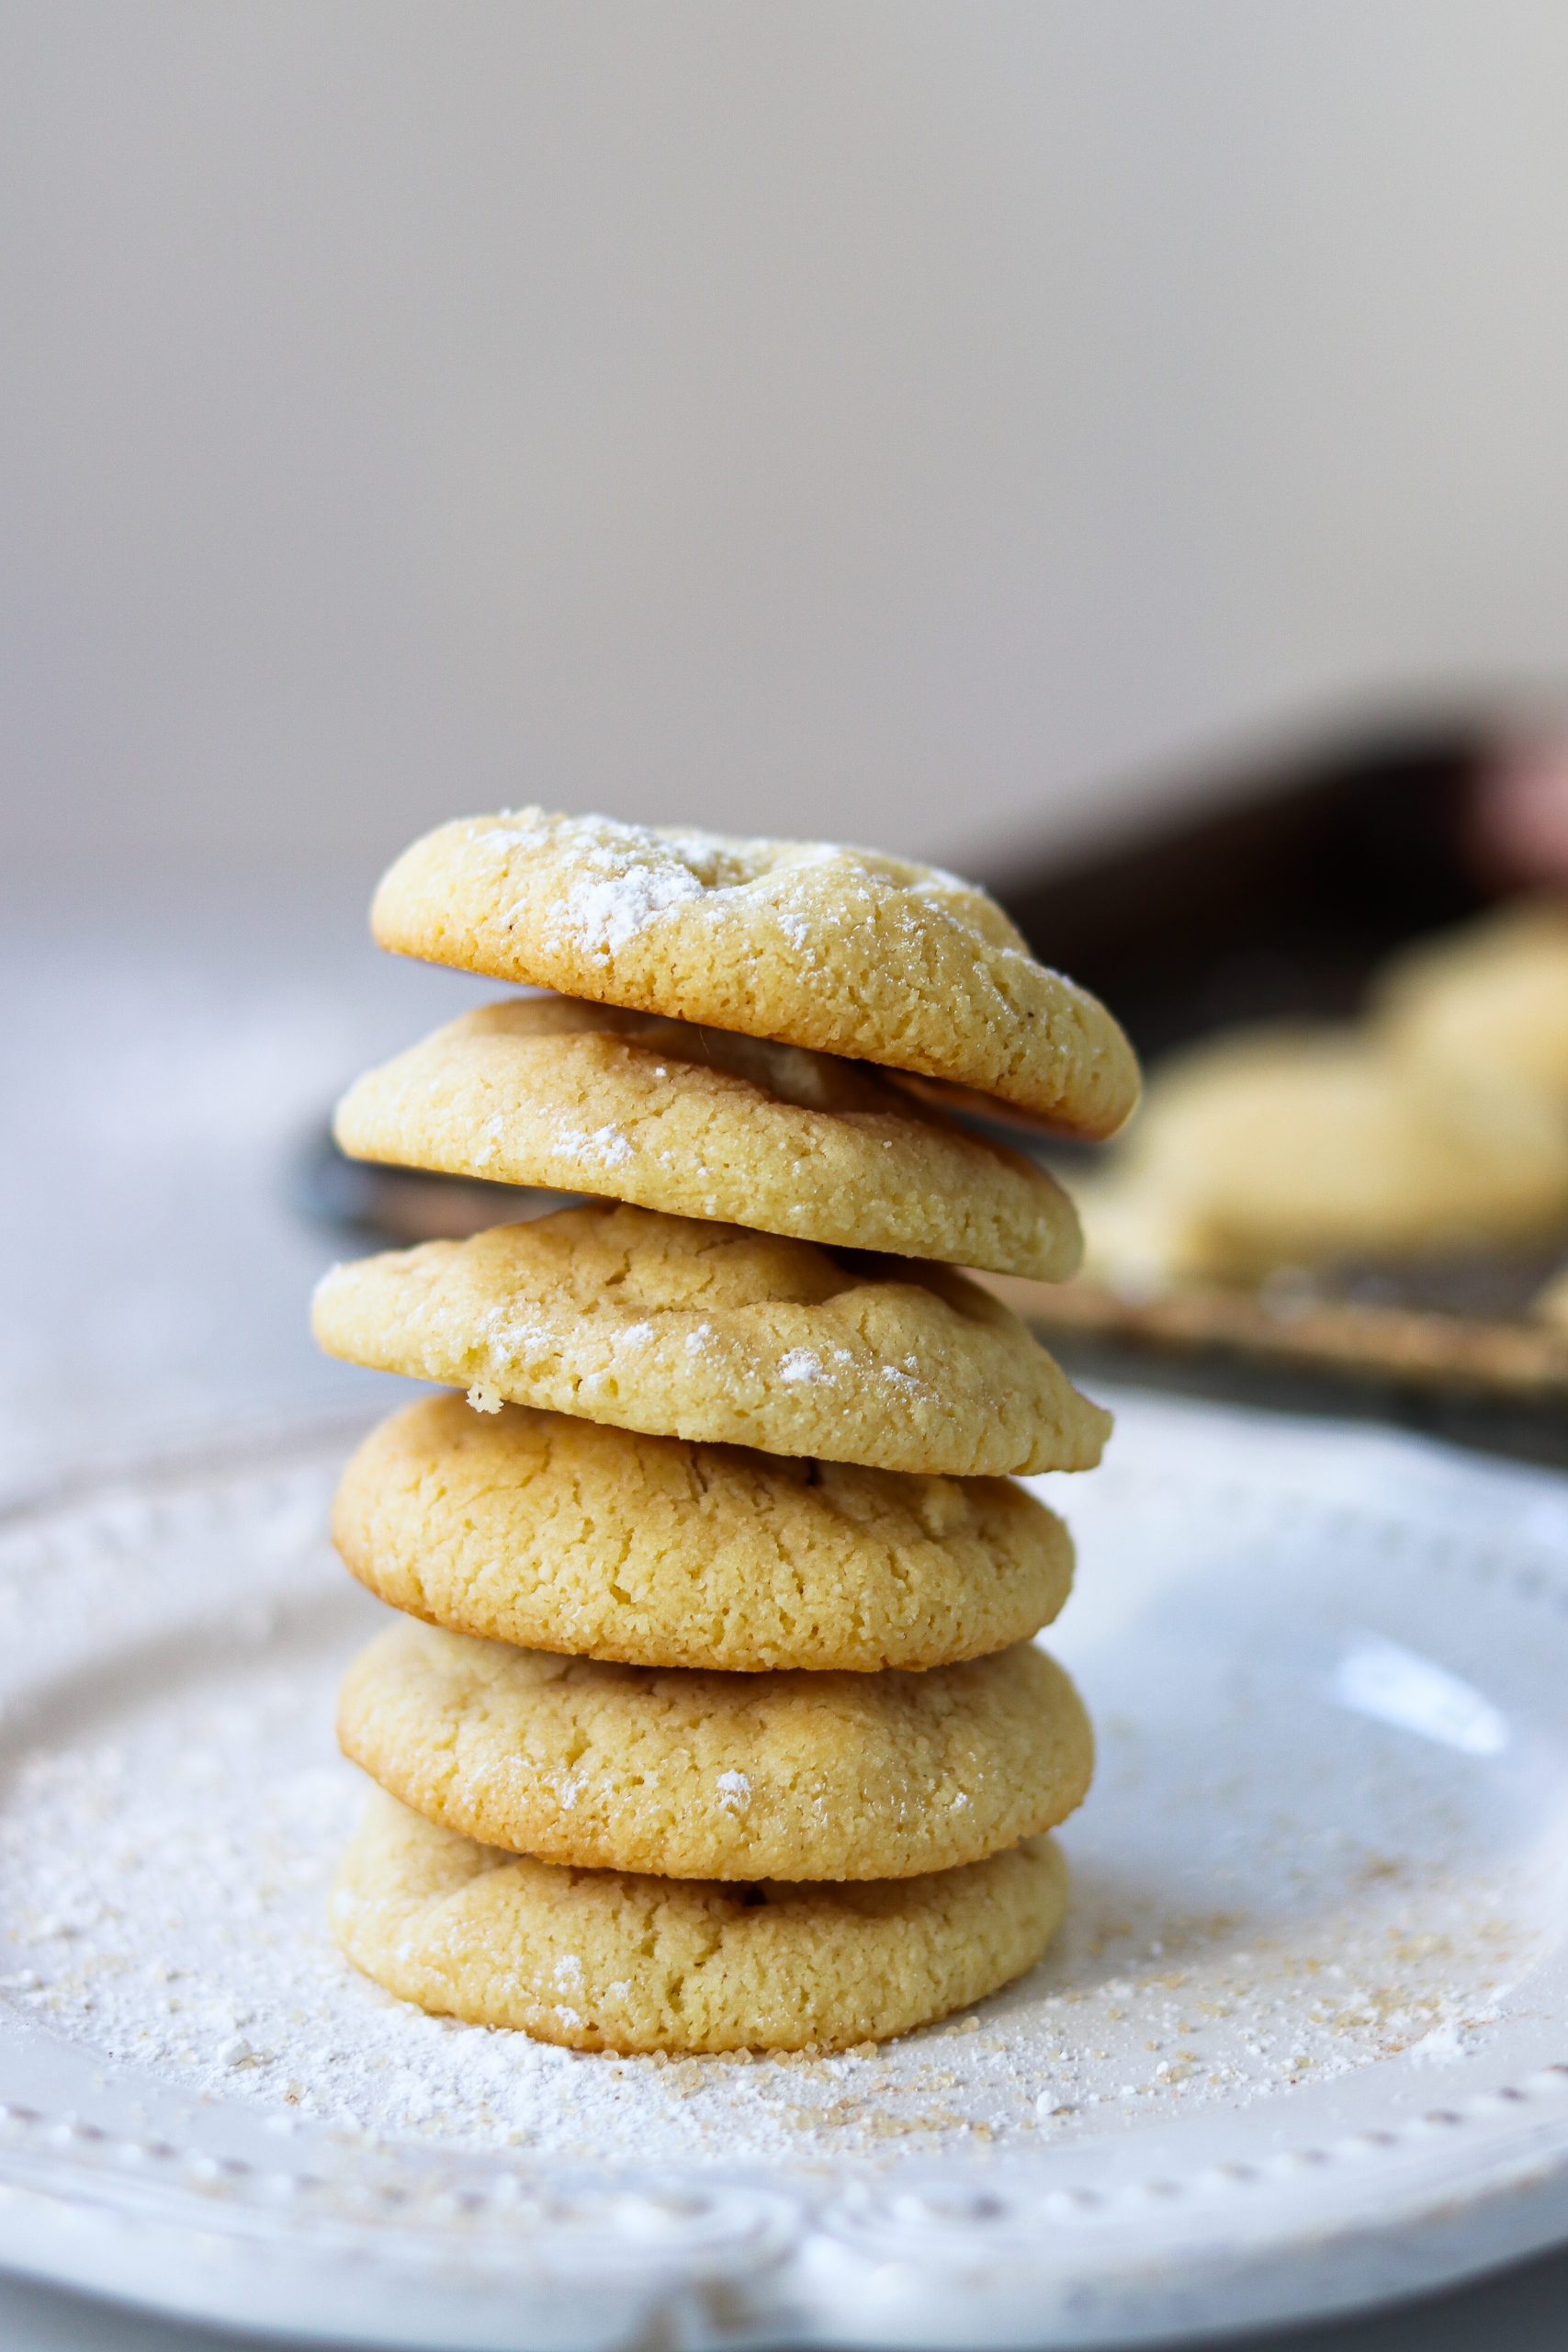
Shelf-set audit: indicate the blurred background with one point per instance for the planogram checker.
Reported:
(1117, 451)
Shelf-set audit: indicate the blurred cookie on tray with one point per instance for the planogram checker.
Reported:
(1438, 1124)
(1490, 1000)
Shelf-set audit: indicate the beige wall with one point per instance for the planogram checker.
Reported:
(913, 421)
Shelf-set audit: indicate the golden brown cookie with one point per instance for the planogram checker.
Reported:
(688, 1329)
(1299, 1147)
(1487, 1002)
(705, 1122)
(561, 1534)
(692, 1775)
(604, 1959)
(839, 950)
(1553, 1301)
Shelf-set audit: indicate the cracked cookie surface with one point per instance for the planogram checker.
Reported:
(839, 949)
(561, 1535)
(725, 1776)
(606, 1960)
(707, 1123)
(683, 1328)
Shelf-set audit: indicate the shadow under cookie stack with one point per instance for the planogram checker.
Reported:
(713, 1719)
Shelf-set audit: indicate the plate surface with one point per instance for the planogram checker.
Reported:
(1304, 2043)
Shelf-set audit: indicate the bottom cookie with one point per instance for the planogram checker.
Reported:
(606, 1960)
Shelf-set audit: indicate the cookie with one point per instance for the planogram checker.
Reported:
(561, 1534)
(839, 950)
(1553, 1301)
(605, 1959)
(688, 1330)
(1301, 1146)
(1486, 1002)
(726, 1776)
(586, 1098)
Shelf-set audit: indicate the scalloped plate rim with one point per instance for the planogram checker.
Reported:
(90, 2206)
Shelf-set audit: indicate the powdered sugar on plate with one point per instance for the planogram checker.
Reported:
(1273, 1889)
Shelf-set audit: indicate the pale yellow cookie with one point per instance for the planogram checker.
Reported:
(586, 1098)
(688, 1330)
(604, 1959)
(841, 950)
(1299, 1147)
(561, 1534)
(689, 1775)
(1553, 1301)
(1486, 1002)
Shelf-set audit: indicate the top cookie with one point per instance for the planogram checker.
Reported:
(840, 950)
(588, 1098)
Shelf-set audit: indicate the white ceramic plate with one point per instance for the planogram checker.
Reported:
(1303, 2044)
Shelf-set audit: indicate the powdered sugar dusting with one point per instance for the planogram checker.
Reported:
(623, 878)
(604, 1147)
(167, 1878)
(602, 911)
(1237, 1929)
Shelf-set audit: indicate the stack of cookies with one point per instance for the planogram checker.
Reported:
(713, 1719)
